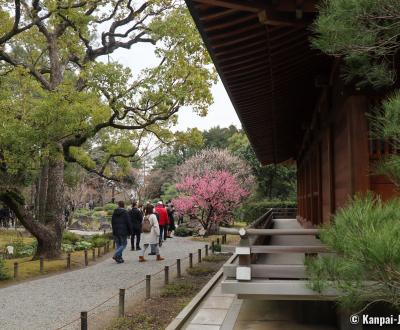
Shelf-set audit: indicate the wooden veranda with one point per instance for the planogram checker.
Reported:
(270, 259)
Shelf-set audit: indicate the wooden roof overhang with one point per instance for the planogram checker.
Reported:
(262, 52)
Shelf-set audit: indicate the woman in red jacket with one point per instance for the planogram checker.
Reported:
(163, 220)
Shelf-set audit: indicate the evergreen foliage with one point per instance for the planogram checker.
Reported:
(366, 267)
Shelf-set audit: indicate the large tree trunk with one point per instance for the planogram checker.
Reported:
(41, 192)
(48, 232)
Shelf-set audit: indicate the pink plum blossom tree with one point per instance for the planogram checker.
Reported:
(211, 160)
(210, 198)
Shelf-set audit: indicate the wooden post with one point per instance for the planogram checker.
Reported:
(41, 264)
(218, 241)
(98, 252)
(178, 268)
(190, 260)
(224, 239)
(86, 258)
(84, 323)
(148, 279)
(212, 247)
(206, 248)
(93, 254)
(15, 270)
(166, 275)
(69, 260)
(113, 244)
(108, 246)
(199, 256)
(121, 309)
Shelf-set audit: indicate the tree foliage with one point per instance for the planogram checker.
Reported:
(67, 104)
(365, 233)
(275, 181)
(366, 267)
(366, 34)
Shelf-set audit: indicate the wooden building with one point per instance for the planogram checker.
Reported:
(291, 100)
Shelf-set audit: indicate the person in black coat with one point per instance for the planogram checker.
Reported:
(121, 228)
(136, 219)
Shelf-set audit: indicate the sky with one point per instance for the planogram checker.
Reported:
(221, 113)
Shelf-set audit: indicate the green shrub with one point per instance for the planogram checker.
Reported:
(98, 241)
(83, 245)
(366, 238)
(178, 289)
(110, 207)
(23, 250)
(3, 271)
(98, 208)
(67, 247)
(183, 231)
(69, 238)
(200, 270)
(217, 248)
(251, 211)
(82, 212)
(99, 214)
(214, 258)
(137, 322)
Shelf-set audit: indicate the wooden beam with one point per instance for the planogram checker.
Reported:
(271, 232)
(239, 40)
(236, 50)
(276, 290)
(259, 63)
(229, 23)
(240, 74)
(232, 33)
(270, 271)
(243, 55)
(289, 249)
(220, 14)
(249, 59)
(234, 4)
(309, 6)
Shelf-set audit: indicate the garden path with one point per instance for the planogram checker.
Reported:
(50, 302)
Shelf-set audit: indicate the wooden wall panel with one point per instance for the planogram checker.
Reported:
(382, 186)
(359, 142)
(327, 197)
(341, 160)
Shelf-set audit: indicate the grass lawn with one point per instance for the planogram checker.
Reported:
(9, 236)
(28, 268)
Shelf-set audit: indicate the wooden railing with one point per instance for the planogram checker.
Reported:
(254, 242)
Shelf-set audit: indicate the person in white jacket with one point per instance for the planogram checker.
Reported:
(152, 237)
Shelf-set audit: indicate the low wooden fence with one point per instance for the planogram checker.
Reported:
(72, 260)
(119, 299)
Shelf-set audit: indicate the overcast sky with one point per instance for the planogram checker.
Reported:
(221, 113)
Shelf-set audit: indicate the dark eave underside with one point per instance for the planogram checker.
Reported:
(262, 53)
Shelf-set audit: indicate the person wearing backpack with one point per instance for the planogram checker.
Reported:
(150, 233)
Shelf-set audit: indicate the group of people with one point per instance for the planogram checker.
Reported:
(149, 225)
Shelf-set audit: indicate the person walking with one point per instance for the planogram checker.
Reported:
(136, 219)
(170, 212)
(150, 234)
(121, 229)
(163, 221)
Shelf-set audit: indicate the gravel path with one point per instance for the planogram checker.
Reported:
(49, 303)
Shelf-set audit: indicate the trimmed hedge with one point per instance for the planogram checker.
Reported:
(183, 231)
(3, 271)
(252, 211)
